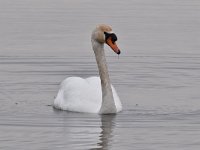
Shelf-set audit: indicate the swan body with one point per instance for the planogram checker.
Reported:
(93, 94)
(82, 95)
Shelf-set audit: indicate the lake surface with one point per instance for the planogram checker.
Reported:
(157, 76)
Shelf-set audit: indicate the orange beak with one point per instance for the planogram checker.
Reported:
(113, 45)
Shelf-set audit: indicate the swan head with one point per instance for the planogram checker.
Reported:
(103, 34)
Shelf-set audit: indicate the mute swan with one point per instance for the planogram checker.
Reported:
(93, 94)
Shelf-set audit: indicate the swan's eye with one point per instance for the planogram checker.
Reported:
(112, 36)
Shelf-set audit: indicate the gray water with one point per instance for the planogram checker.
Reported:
(157, 76)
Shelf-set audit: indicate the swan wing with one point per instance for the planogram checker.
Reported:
(79, 95)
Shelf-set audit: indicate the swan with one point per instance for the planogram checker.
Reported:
(93, 94)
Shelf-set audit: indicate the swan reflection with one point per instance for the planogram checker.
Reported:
(106, 134)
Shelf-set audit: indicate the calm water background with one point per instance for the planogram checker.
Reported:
(157, 76)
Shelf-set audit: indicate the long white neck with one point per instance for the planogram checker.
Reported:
(108, 104)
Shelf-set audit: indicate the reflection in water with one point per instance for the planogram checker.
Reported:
(108, 123)
(94, 133)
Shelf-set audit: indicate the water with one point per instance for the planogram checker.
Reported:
(156, 76)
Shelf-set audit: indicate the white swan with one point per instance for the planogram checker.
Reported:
(93, 94)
